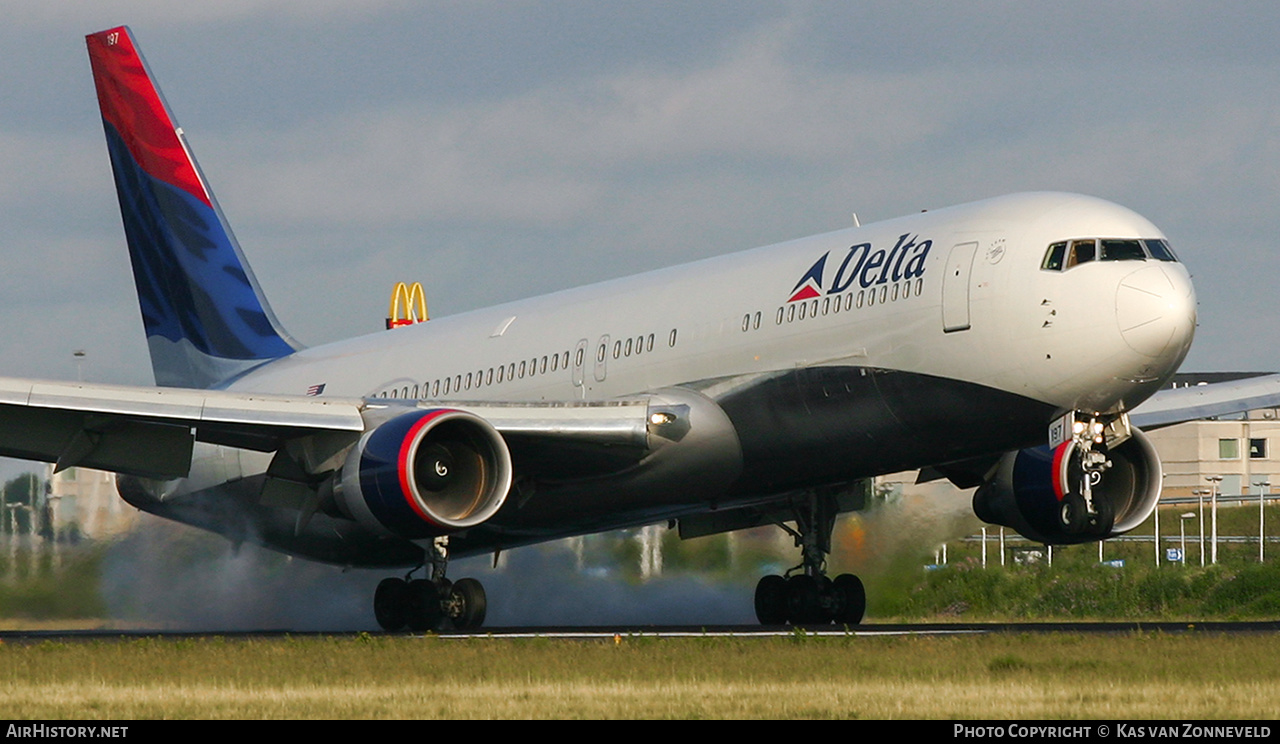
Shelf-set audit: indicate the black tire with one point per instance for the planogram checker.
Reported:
(1104, 518)
(1073, 514)
(850, 599)
(771, 600)
(803, 604)
(468, 597)
(391, 604)
(424, 606)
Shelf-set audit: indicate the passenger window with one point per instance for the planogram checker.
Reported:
(1054, 256)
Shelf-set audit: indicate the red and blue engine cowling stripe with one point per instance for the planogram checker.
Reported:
(384, 476)
(1041, 480)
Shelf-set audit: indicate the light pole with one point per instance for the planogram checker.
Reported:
(1157, 533)
(1182, 531)
(1214, 480)
(1263, 486)
(1200, 493)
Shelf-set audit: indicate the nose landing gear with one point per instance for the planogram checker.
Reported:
(1084, 510)
(805, 595)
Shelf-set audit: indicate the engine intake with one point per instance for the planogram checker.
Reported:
(1030, 486)
(426, 473)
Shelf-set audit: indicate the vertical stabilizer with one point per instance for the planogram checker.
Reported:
(205, 317)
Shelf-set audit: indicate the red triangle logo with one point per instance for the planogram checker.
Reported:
(804, 294)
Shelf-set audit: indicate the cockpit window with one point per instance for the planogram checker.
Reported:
(1053, 257)
(1066, 254)
(1081, 252)
(1159, 250)
(1122, 250)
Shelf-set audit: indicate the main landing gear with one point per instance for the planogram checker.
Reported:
(430, 604)
(804, 595)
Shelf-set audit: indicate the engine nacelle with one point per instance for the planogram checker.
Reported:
(1028, 490)
(425, 473)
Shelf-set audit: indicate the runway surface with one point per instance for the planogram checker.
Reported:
(652, 631)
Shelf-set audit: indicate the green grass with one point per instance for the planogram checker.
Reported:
(1035, 676)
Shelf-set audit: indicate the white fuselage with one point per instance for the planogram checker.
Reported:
(1055, 337)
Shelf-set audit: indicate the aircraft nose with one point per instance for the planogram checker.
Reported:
(1156, 310)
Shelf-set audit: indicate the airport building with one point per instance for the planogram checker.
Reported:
(83, 503)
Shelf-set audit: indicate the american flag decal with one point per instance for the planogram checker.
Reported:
(315, 389)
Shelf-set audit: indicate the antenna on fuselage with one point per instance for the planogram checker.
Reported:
(856, 223)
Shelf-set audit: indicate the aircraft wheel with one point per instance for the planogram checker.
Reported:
(803, 603)
(391, 603)
(424, 612)
(850, 599)
(771, 600)
(1073, 514)
(467, 604)
(1103, 519)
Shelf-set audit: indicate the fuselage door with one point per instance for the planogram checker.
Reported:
(955, 287)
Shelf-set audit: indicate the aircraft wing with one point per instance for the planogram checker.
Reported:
(1168, 407)
(150, 432)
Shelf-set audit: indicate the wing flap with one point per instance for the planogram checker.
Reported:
(150, 432)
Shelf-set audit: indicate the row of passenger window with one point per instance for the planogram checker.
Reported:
(827, 305)
(483, 378)
(519, 370)
(1065, 254)
(628, 346)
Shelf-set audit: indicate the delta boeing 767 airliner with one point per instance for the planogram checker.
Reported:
(1001, 344)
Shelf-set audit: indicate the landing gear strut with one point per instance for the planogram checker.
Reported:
(1082, 511)
(430, 604)
(804, 595)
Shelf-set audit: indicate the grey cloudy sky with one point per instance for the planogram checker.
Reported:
(494, 150)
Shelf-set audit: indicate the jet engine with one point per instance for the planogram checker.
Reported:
(424, 474)
(1040, 491)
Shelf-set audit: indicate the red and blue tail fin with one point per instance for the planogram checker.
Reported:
(205, 317)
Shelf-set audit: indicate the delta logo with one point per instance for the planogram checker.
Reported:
(867, 266)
